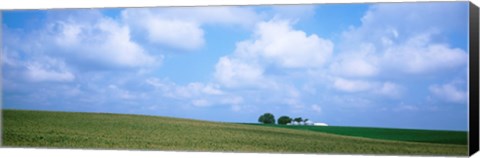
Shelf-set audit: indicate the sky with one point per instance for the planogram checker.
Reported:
(394, 65)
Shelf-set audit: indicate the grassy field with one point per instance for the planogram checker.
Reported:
(114, 131)
(426, 136)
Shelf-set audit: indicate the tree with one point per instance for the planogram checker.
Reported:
(267, 118)
(298, 119)
(305, 120)
(284, 120)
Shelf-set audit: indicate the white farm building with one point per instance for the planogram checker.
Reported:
(319, 124)
(307, 123)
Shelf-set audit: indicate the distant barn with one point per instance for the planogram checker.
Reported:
(319, 124)
(308, 123)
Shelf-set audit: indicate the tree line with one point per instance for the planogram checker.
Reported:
(269, 118)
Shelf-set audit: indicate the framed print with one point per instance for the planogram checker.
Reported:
(358, 78)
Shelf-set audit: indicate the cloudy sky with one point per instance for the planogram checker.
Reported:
(401, 65)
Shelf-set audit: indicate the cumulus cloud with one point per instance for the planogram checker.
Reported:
(97, 41)
(360, 63)
(182, 27)
(171, 32)
(278, 42)
(398, 40)
(274, 44)
(234, 73)
(37, 72)
(102, 41)
(419, 55)
(406, 38)
(449, 92)
(388, 23)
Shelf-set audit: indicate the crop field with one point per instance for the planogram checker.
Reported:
(413, 135)
(44, 129)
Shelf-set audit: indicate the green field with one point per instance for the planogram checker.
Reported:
(115, 131)
(412, 135)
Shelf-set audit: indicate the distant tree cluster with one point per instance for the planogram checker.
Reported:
(268, 118)
(283, 120)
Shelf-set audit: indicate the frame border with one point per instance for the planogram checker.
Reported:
(473, 134)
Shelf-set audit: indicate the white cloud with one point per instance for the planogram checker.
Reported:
(355, 67)
(316, 108)
(419, 55)
(201, 103)
(196, 93)
(398, 40)
(101, 41)
(115, 91)
(43, 69)
(68, 45)
(389, 23)
(190, 90)
(181, 27)
(212, 90)
(274, 46)
(390, 89)
(200, 88)
(449, 92)
(387, 88)
(292, 97)
(235, 73)
(11, 57)
(411, 18)
(351, 85)
(159, 30)
(403, 38)
(36, 73)
(360, 63)
(274, 43)
(176, 33)
(159, 84)
(278, 42)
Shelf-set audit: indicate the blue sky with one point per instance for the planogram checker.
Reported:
(399, 65)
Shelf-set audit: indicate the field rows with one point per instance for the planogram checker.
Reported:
(113, 131)
(411, 135)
